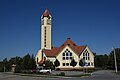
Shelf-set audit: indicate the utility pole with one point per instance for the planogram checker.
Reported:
(115, 60)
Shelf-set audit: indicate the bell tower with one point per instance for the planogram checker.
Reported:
(46, 27)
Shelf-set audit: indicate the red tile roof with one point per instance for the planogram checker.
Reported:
(55, 50)
(46, 13)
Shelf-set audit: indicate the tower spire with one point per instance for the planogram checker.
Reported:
(46, 13)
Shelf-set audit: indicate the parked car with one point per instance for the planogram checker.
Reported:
(41, 70)
(45, 71)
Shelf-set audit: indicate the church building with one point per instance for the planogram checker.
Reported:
(63, 53)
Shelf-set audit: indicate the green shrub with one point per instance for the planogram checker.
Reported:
(61, 74)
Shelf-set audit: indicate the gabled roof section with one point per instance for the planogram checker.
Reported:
(69, 42)
(56, 50)
(79, 49)
(46, 13)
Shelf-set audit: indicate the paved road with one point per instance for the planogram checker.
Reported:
(102, 75)
(99, 75)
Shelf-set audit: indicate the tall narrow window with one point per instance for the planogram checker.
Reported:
(66, 54)
(86, 55)
(83, 54)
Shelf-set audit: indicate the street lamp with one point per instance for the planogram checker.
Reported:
(115, 60)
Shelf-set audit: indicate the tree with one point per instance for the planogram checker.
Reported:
(1, 66)
(111, 60)
(33, 63)
(56, 63)
(16, 61)
(73, 62)
(26, 62)
(5, 63)
(17, 69)
(107, 61)
(81, 62)
(48, 64)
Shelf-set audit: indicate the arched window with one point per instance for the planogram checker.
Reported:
(67, 55)
(86, 55)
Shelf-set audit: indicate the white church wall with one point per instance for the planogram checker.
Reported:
(60, 58)
(39, 56)
(91, 60)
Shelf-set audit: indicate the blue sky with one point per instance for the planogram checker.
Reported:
(95, 23)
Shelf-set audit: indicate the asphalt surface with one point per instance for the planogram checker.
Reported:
(99, 75)
(103, 75)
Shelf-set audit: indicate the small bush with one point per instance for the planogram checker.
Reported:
(61, 74)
